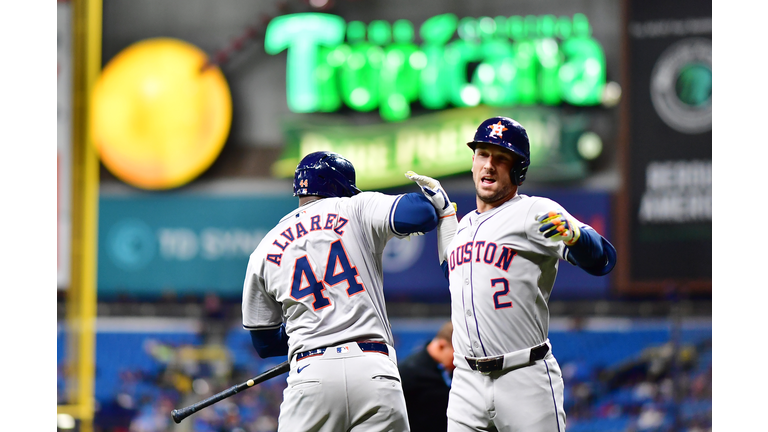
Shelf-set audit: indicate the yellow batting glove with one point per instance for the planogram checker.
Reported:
(557, 227)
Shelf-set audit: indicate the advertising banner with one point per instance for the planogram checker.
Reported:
(153, 245)
(460, 61)
(382, 152)
(668, 199)
(150, 245)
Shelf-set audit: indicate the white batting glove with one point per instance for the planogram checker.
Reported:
(446, 211)
(434, 192)
(556, 226)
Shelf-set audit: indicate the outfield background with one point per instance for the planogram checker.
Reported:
(617, 97)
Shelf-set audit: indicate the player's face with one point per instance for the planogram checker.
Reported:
(490, 171)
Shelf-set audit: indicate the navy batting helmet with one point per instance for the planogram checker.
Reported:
(509, 134)
(325, 174)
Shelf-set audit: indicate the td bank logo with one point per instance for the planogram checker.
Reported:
(681, 86)
(131, 244)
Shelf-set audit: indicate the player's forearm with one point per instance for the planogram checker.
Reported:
(593, 253)
(446, 229)
(270, 342)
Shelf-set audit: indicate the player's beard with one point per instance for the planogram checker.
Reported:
(492, 197)
(504, 192)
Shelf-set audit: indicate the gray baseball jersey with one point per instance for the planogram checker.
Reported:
(502, 271)
(321, 269)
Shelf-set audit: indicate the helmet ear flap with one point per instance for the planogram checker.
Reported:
(518, 174)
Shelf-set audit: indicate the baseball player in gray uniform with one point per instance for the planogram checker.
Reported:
(314, 290)
(501, 261)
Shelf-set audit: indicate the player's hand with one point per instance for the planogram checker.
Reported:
(557, 227)
(434, 192)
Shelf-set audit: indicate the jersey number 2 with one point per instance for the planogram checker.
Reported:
(502, 292)
(338, 269)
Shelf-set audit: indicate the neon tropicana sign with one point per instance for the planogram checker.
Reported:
(502, 61)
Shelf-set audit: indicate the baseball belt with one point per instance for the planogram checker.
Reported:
(515, 360)
(378, 347)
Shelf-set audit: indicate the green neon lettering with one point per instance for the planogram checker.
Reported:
(400, 74)
(582, 76)
(495, 75)
(435, 32)
(500, 61)
(301, 34)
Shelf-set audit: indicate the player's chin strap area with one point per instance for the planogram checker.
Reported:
(511, 361)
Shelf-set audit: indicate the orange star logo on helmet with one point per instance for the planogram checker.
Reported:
(497, 129)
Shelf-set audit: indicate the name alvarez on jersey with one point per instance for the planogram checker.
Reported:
(333, 222)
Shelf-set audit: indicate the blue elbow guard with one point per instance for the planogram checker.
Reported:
(414, 213)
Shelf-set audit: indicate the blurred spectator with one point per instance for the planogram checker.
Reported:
(215, 322)
(153, 417)
(426, 376)
(650, 418)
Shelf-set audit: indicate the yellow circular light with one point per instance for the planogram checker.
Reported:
(159, 118)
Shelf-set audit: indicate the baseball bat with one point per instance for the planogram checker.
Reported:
(180, 414)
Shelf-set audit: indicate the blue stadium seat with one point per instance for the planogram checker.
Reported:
(117, 353)
(618, 424)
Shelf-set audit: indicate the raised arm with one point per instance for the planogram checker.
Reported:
(446, 211)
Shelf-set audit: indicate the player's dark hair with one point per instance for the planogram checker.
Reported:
(445, 332)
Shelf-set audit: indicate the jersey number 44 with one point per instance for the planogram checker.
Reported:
(337, 270)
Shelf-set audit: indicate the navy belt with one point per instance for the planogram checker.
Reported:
(493, 364)
(378, 347)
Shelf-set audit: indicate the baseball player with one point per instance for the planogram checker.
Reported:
(501, 262)
(313, 291)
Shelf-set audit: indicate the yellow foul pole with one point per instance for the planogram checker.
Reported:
(81, 296)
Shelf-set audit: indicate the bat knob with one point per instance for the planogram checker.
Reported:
(175, 414)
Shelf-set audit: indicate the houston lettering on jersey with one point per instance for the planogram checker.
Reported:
(332, 222)
(490, 254)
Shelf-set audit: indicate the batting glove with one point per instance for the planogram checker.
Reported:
(434, 192)
(557, 227)
(446, 211)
